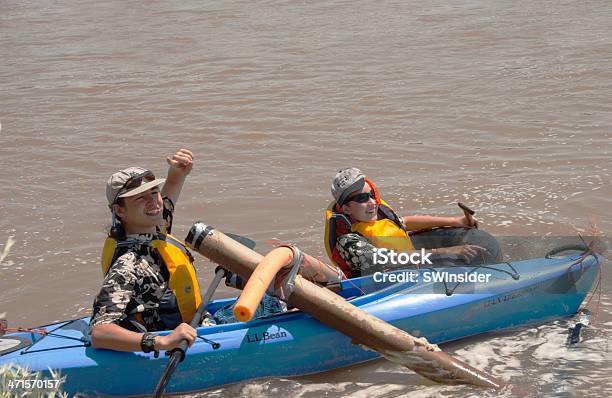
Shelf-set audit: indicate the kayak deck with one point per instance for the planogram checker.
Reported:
(293, 343)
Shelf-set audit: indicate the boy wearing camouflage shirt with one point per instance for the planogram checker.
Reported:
(134, 299)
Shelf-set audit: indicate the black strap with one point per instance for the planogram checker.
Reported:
(388, 212)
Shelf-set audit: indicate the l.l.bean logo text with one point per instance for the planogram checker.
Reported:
(268, 335)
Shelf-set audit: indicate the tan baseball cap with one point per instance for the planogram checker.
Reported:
(130, 182)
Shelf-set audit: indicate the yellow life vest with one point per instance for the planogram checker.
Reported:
(178, 261)
(384, 233)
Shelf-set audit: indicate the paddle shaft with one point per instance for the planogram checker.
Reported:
(178, 354)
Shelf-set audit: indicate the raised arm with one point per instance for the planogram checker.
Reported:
(180, 165)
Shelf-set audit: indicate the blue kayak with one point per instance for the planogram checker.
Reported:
(441, 304)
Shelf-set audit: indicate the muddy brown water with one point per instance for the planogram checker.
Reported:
(503, 105)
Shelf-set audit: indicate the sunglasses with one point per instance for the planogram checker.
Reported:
(134, 182)
(361, 197)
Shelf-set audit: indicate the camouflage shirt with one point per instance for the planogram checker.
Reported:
(358, 252)
(135, 283)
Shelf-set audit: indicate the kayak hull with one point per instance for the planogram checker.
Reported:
(293, 343)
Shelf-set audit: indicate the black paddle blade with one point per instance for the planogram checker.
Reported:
(243, 240)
